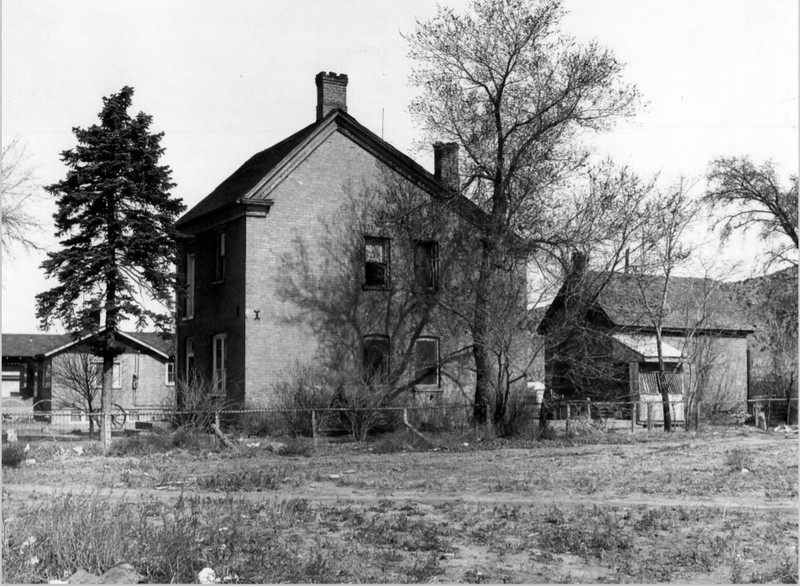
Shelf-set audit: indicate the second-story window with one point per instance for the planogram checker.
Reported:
(219, 257)
(376, 262)
(426, 264)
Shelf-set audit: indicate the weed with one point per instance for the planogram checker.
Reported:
(140, 445)
(298, 446)
(242, 480)
(424, 570)
(738, 459)
(13, 455)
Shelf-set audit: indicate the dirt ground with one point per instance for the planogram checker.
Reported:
(714, 507)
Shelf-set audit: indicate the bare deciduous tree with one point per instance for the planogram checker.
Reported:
(670, 217)
(19, 192)
(752, 196)
(80, 378)
(516, 94)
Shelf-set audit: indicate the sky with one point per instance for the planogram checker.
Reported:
(226, 79)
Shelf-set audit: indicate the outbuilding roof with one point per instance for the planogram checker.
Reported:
(30, 345)
(630, 301)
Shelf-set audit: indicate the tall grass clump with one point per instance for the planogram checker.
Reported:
(165, 542)
(13, 455)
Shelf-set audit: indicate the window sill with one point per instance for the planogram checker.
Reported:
(218, 282)
(189, 318)
(427, 389)
(376, 288)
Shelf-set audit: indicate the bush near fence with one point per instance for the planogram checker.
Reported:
(331, 421)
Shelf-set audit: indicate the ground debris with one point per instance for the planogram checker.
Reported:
(121, 574)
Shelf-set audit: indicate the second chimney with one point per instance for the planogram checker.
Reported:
(331, 93)
(445, 166)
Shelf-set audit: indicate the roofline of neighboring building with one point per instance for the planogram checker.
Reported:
(120, 333)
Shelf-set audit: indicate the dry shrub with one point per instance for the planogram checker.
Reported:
(363, 406)
(301, 390)
(13, 455)
(198, 403)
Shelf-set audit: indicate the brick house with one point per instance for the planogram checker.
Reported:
(35, 367)
(285, 264)
(600, 340)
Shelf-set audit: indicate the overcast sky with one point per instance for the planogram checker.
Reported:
(225, 79)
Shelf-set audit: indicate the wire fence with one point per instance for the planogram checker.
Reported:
(642, 414)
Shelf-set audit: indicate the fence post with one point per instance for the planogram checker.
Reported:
(633, 415)
(567, 424)
(649, 416)
(216, 419)
(314, 427)
(769, 412)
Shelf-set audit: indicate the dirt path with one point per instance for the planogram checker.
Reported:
(328, 493)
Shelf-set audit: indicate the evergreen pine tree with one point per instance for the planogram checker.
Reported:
(115, 219)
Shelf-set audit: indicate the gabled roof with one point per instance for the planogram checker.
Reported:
(629, 300)
(255, 179)
(690, 300)
(246, 177)
(30, 345)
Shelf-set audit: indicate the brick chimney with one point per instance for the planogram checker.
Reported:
(331, 93)
(445, 165)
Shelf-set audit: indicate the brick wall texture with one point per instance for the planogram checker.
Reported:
(292, 291)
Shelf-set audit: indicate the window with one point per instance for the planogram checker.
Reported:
(116, 373)
(48, 375)
(376, 262)
(219, 257)
(426, 361)
(376, 357)
(219, 357)
(426, 264)
(188, 308)
(171, 372)
(189, 357)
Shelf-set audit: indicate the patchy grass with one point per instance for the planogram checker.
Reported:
(489, 511)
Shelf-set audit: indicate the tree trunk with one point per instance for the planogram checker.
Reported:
(479, 331)
(105, 400)
(662, 383)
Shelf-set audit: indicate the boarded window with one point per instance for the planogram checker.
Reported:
(376, 357)
(426, 361)
(426, 264)
(376, 262)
